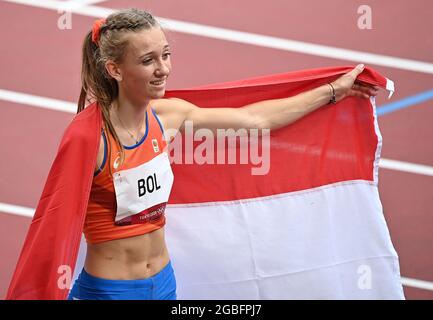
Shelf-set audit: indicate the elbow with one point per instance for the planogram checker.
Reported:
(259, 122)
(264, 126)
(268, 124)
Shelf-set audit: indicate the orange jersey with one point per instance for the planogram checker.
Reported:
(132, 201)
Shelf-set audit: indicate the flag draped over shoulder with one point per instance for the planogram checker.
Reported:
(307, 225)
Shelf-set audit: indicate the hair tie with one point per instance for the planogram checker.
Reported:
(96, 30)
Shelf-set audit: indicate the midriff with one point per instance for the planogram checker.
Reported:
(132, 258)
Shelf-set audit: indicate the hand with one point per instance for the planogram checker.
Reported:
(347, 85)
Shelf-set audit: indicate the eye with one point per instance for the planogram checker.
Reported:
(165, 55)
(147, 61)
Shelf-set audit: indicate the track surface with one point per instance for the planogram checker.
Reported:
(39, 59)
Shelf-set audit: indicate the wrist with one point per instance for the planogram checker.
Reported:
(332, 93)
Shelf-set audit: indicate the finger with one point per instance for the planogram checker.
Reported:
(358, 93)
(362, 95)
(372, 91)
(357, 70)
(367, 85)
(365, 89)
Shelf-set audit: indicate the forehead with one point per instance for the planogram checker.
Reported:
(145, 41)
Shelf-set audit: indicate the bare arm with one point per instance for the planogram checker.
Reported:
(277, 113)
(267, 114)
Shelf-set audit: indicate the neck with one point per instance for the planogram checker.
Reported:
(130, 114)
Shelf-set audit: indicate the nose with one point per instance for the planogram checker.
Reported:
(162, 69)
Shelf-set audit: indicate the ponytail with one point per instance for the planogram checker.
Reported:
(97, 86)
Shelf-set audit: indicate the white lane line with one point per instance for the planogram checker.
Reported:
(16, 210)
(250, 38)
(297, 46)
(88, 2)
(419, 284)
(71, 6)
(69, 107)
(29, 212)
(81, 2)
(406, 167)
(37, 101)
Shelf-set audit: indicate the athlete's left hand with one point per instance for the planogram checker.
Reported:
(347, 85)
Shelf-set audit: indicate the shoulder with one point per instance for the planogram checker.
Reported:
(172, 111)
(171, 105)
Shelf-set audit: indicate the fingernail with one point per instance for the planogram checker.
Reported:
(361, 65)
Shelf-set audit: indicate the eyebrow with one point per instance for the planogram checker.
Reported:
(143, 55)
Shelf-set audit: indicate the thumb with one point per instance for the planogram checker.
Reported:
(358, 69)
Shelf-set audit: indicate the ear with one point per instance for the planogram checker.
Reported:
(113, 70)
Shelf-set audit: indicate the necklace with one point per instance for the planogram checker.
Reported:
(130, 134)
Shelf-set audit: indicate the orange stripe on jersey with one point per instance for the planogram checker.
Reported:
(100, 222)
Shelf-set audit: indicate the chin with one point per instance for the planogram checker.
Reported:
(157, 94)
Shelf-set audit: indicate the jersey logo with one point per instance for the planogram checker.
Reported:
(116, 162)
(155, 145)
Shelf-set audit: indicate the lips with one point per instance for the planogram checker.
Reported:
(158, 82)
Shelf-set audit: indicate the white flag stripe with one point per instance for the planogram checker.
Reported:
(341, 226)
(248, 38)
(29, 212)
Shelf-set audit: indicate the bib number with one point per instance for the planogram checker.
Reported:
(142, 192)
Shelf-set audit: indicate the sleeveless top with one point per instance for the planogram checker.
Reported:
(132, 201)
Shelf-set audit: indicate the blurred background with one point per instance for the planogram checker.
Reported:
(217, 41)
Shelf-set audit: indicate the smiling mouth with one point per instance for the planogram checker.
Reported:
(158, 82)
